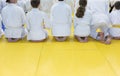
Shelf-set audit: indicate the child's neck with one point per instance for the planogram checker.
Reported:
(35, 8)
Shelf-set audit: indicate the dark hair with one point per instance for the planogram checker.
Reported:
(117, 5)
(81, 9)
(35, 3)
(60, 0)
(7, 1)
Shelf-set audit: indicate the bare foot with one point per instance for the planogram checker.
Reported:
(108, 40)
(101, 35)
(60, 39)
(82, 39)
(13, 39)
(116, 38)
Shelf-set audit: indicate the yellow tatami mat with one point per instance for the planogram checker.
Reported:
(51, 58)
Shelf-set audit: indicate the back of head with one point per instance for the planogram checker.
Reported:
(11, 1)
(35, 3)
(117, 5)
(60, 0)
(7, 1)
(81, 9)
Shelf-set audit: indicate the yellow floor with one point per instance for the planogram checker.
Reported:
(52, 58)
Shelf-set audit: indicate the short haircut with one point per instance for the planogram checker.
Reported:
(35, 3)
(60, 0)
(8, 1)
(117, 5)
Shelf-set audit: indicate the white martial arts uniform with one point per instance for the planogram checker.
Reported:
(1, 31)
(100, 17)
(115, 21)
(13, 18)
(2, 4)
(61, 19)
(35, 19)
(82, 25)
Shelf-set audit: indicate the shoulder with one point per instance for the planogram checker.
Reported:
(56, 4)
(88, 11)
(113, 12)
(42, 12)
(18, 7)
(68, 6)
(5, 8)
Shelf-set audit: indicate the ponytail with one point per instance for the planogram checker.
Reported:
(81, 10)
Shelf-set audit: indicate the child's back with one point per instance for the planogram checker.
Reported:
(61, 18)
(13, 18)
(35, 19)
(61, 13)
(35, 23)
(115, 21)
(115, 17)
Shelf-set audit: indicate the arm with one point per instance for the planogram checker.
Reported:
(70, 15)
(23, 17)
(46, 21)
(0, 22)
(27, 23)
(51, 16)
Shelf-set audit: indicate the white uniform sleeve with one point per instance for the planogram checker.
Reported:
(75, 9)
(107, 7)
(1, 31)
(70, 15)
(107, 11)
(46, 21)
(111, 18)
(0, 22)
(51, 16)
(28, 22)
(3, 16)
(75, 22)
(23, 17)
(114, 18)
(0, 6)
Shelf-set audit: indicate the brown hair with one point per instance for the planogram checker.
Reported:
(8, 1)
(117, 5)
(81, 9)
(35, 3)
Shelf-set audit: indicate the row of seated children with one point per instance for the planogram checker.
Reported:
(89, 17)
